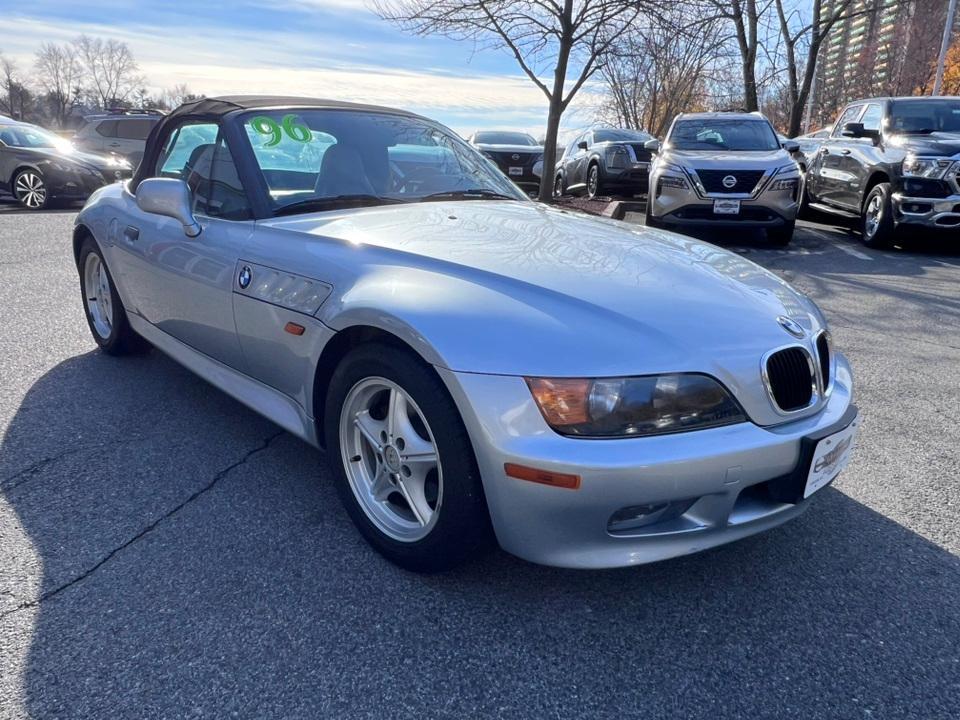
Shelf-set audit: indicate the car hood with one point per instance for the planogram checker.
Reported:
(938, 144)
(520, 288)
(728, 159)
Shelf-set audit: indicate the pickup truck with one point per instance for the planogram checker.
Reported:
(893, 164)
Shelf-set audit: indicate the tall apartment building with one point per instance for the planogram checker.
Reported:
(881, 47)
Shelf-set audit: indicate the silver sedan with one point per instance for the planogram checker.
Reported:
(480, 368)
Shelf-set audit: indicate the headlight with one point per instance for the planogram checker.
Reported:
(925, 167)
(787, 184)
(617, 157)
(119, 162)
(634, 406)
(671, 175)
(67, 167)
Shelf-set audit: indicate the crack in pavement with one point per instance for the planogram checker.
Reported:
(267, 442)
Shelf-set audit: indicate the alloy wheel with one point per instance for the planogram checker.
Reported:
(593, 181)
(871, 220)
(391, 459)
(30, 190)
(96, 288)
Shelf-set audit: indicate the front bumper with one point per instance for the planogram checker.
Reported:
(939, 213)
(716, 479)
(686, 207)
(80, 184)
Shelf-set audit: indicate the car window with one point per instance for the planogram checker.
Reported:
(922, 116)
(213, 178)
(849, 115)
(184, 142)
(872, 117)
(107, 128)
(496, 137)
(134, 129)
(706, 133)
(322, 154)
(31, 136)
(616, 135)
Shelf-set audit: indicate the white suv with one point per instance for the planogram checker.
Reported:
(124, 135)
(724, 169)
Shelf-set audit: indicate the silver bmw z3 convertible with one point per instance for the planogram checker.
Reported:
(479, 367)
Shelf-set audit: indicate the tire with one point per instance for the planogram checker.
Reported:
(804, 211)
(374, 477)
(30, 190)
(106, 316)
(558, 188)
(594, 186)
(876, 218)
(648, 219)
(781, 236)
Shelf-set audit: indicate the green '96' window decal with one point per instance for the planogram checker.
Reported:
(289, 125)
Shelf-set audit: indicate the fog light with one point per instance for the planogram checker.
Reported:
(628, 519)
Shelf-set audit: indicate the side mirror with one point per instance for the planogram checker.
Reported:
(171, 198)
(652, 145)
(582, 145)
(791, 146)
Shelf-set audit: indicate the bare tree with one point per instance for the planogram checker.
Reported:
(745, 17)
(177, 95)
(58, 73)
(16, 99)
(657, 70)
(814, 33)
(110, 72)
(559, 37)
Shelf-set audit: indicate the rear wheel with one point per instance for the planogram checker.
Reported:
(877, 226)
(593, 181)
(102, 306)
(402, 461)
(30, 190)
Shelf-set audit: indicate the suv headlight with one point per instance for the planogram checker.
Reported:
(617, 156)
(634, 406)
(671, 175)
(926, 167)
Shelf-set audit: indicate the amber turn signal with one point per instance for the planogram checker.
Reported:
(294, 329)
(544, 477)
(563, 401)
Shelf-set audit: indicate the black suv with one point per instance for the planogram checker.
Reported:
(891, 162)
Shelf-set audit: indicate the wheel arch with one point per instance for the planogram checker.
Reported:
(80, 233)
(343, 342)
(19, 169)
(876, 177)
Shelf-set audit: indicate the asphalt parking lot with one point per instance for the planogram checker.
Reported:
(166, 553)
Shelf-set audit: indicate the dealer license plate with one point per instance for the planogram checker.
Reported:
(516, 171)
(726, 207)
(830, 457)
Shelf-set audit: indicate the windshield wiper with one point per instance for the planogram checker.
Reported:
(921, 131)
(335, 202)
(473, 194)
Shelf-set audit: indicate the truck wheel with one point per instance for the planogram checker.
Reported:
(877, 226)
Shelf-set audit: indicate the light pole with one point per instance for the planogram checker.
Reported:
(944, 46)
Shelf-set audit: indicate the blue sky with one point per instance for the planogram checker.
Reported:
(323, 48)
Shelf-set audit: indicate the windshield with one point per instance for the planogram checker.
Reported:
(710, 134)
(311, 156)
(924, 116)
(613, 135)
(30, 136)
(490, 137)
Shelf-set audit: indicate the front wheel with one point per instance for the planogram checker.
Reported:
(558, 187)
(877, 225)
(648, 218)
(105, 313)
(593, 182)
(781, 236)
(402, 462)
(30, 190)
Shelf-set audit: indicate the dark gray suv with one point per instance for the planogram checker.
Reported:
(118, 134)
(604, 160)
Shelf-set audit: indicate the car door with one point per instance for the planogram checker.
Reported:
(104, 137)
(861, 157)
(578, 161)
(184, 285)
(131, 136)
(833, 176)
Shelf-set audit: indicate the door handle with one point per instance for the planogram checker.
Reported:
(844, 152)
(825, 151)
(131, 234)
(114, 144)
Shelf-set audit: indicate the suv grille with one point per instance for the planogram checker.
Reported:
(791, 378)
(823, 351)
(641, 153)
(713, 180)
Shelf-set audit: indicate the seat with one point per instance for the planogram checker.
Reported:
(342, 173)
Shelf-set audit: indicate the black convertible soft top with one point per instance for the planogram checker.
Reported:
(215, 108)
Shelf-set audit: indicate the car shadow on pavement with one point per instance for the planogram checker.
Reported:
(193, 560)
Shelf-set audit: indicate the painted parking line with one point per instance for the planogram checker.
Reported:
(852, 251)
(839, 245)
